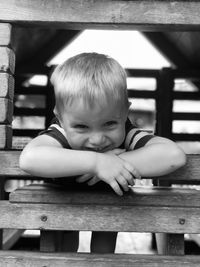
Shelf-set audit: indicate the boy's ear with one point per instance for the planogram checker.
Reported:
(56, 114)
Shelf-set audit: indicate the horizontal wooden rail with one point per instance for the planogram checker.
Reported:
(38, 259)
(137, 196)
(142, 15)
(105, 217)
(26, 132)
(146, 94)
(185, 137)
(186, 95)
(191, 116)
(29, 111)
(31, 90)
(191, 171)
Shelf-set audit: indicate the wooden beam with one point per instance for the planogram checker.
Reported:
(137, 196)
(5, 136)
(38, 259)
(185, 137)
(6, 85)
(78, 14)
(100, 217)
(7, 60)
(29, 111)
(191, 116)
(6, 111)
(27, 132)
(5, 34)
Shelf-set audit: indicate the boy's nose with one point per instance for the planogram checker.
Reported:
(97, 139)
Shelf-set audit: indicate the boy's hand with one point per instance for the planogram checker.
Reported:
(115, 171)
(89, 178)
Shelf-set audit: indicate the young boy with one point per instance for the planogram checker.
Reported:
(92, 137)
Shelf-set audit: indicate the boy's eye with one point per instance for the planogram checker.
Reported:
(110, 123)
(80, 126)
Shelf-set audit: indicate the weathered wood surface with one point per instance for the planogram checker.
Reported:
(137, 196)
(7, 59)
(6, 111)
(78, 14)
(191, 171)
(5, 34)
(38, 259)
(6, 85)
(5, 140)
(124, 218)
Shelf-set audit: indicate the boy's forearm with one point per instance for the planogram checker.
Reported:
(57, 162)
(155, 160)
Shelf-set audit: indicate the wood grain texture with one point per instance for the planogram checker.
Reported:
(5, 139)
(6, 111)
(5, 34)
(6, 85)
(38, 259)
(137, 196)
(7, 60)
(78, 14)
(122, 218)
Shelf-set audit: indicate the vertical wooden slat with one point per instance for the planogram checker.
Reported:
(5, 34)
(7, 66)
(50, 102)
(164, 103)
(168, 244)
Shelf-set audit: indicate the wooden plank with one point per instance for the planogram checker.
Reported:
(191, 116)
(10, 161)
(78, 14)
(29, 111)
(7, 59)
(124, 218)
(31, 90)
(191, 171)
(10, 237)
(185, 137)
(5, 34)
(6, 85)
(38, 259)
(6, 111)
(27, 132)
(164, 103)
(147, 196)
(5, 137)
(186, 95)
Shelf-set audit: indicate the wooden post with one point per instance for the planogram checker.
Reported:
(169, 244)
(7, 65)
(50, 102)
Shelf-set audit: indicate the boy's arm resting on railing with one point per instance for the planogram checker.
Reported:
(158, 157)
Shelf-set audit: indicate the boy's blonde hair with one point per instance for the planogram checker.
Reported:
(94, 78)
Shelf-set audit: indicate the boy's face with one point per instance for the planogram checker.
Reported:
(97, 129)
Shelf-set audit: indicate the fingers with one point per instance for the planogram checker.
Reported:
(122, 182)
(115, 186)
(93, 181)
(84, 178)
(132, 170)
(128, 177)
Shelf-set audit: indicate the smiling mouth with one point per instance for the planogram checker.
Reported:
(98, 149)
